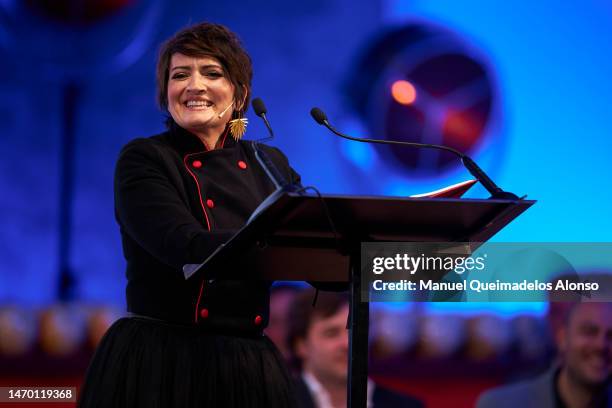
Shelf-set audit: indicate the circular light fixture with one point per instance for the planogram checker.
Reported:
(425, 84)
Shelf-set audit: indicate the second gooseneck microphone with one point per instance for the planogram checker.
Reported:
(496, 192)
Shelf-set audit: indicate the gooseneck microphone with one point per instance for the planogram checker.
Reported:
(277, 178)
(260, 110)
(496, 192)
(281, 184)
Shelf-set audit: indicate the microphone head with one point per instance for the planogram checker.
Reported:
(259, 107)
(318, 115)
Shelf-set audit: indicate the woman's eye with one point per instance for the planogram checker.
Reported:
(179, 75)
(214, 74)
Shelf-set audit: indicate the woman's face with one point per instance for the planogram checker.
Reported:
(198, 92)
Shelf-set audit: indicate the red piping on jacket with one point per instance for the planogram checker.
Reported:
(224, 137)
(199, 190)
(207, 225)
(203, 208)
(198, 302)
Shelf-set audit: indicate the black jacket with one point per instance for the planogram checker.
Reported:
(175, 202)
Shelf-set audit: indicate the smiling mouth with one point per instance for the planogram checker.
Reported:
(197, 104)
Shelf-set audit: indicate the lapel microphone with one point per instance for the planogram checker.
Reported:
(225, 110)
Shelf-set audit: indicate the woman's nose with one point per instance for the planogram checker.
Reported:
(196, 83)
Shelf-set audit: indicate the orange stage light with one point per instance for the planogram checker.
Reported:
(403, 92)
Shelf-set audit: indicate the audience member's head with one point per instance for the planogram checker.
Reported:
(585, 343)
(281, 296)
(317, 337)
(583, 333)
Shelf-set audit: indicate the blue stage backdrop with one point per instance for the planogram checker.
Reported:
(524, 87)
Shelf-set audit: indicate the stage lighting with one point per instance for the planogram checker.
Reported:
(394, 331)
(403, 92)
(100, 319)
(77, 13)
(17, 331)
(488, 336)
(422, 83)
(62, 330)
(442, 336)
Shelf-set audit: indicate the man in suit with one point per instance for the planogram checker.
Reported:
(581, 379)
(317, 340)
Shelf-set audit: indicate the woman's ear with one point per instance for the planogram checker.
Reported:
(244, 98)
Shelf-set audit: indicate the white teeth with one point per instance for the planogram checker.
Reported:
(191, 104)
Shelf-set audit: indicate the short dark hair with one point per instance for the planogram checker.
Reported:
(302, 312)
(207, 40)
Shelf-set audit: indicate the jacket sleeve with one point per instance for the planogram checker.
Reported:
(151, 211)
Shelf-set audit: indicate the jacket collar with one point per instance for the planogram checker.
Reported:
(187, 143)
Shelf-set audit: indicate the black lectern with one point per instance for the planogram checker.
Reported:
(318, 239)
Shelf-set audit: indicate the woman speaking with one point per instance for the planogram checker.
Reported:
(178, 196)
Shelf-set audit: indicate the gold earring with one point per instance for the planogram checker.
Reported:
(237, 127)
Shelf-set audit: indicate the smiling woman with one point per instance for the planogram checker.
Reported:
(204, 65)
(178, 196)
(200, 96)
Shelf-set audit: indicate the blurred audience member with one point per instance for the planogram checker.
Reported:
(317, 339)
(581, 376)
(281, 295)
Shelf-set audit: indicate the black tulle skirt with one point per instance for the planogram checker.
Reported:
(147, 363)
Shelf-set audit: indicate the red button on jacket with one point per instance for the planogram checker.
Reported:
(210, 203)
(242, 165)
(197, 164)
(258, 320)
(204, 313)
